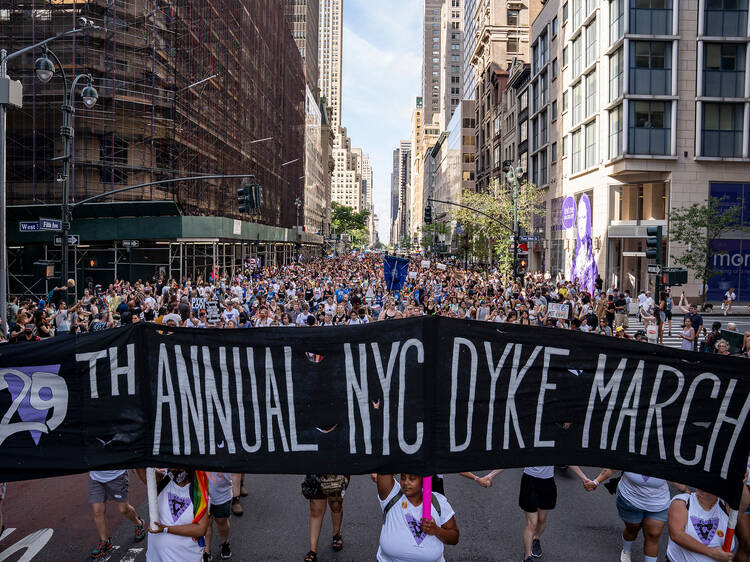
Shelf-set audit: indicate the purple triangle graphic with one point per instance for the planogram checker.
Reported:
(705, 529)
(177, 505)
(645, 478)
(25, 411)
(416, 528)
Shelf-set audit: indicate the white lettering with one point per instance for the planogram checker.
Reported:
(405, 447)
(164, 384)
(683, 417)
(273, 406)
(92, 358)
(655, 408)
(721, 419)
(357, 388)
(457, 343)
(128, 369)
(629, 409)
(543, 388)
(494, 375)
(612, 388)
(296, 446)
(385, 385)
(515, 381)
(240, 399)
(192, 407)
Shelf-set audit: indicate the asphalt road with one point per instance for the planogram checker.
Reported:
(54, 515)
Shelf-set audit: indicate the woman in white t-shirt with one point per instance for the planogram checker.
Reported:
(175, 536)
(729, 297)
(642, 503)
(697, 528)
(405, 536)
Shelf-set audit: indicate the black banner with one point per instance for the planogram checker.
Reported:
(425, 395)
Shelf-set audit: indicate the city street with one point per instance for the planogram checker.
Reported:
(274, 526)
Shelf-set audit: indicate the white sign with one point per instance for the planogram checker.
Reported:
(237, 227)
(212, 312)
(198, 303)
(412, 275)
(558, 310)
(425, 264)
(441, 266)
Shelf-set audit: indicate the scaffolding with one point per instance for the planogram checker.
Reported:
(185, 87)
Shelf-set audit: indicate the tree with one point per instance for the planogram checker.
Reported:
(698, 227)
(430, 232)
(346, 220)
(488, 235)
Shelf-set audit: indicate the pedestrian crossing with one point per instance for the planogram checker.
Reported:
(673, 341)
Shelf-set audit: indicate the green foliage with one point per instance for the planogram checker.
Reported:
(432, 231)
(405, 243)
(485, 235)
(697, 226)
(346, 220)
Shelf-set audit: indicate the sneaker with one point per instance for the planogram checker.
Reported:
(536, 548)
(140, 531)
(102, 548)
(237, 507)
(226, 552)
(529, 559)
(207, 557)
(624, 556)
(243, 490)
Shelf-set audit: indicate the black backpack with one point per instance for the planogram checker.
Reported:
(394, 500)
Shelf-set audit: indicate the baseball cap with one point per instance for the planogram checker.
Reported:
(620, 329)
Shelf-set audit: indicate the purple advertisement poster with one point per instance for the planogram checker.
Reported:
(569, 212)
(584, 269)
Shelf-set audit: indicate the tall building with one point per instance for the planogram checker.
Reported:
(330, 54)
(315, 202)
(637, 110)
(503, 32)
(470, 41)
(346, 186)
(423, 138)
(303, 17)
(451, 60)
(400, 186)
(152, 122)
(431, 53)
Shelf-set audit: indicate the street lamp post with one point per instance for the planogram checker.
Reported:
(11, 94)
(298, 204)
(512, 177)
(44, 71)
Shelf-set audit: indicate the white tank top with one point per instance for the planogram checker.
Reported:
(707, 527)
(644, 492)
(175, 508)
(540, 471)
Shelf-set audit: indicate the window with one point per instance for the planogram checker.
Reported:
(650, 71)
(722, 130)
(591, 105)
(543, 128)
(577, 103)
(524, 99)
(565, 101)
(565, 146)
(524, 133)
(513, 18)
(512, 44)
(554, 110)
(565, 13)
(615, 132)
(591, 43)
(616, 20)
(725, 18)
(554, 68)
(565, 56)
(554, 26)
(651, 17)
(544, 87)
(590, 132)
(542, 168)
(724, 70)
(575, 162)
(649, 128)
(535, 138)
(577, 56)
(615, 75)
(577, 13)
(553, 152)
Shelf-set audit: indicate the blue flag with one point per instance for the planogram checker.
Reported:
(395, 270)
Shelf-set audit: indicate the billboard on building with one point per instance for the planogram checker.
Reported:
(584, 268)
(730, 257)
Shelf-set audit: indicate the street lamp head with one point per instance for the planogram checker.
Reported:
(519, 171)
(44, 68)
(89, 95)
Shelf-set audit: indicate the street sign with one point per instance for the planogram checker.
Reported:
(528, 238)
(50, 224)
(73, 240)
(130, 243)
(28, 226)
(653, 269)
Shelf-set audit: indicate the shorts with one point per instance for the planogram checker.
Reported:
(668, 314)
(115, 490)
(3, 487)
(631, 514)
(221, 511)
(537, 493)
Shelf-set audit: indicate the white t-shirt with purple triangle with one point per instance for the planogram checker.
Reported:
(644, 492)
(401, 538)
(707, 527)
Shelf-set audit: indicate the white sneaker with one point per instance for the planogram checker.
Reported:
(624, 556)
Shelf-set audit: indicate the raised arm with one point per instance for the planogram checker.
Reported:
(385, 485)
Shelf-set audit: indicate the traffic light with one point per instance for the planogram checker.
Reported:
(244, 198)
(523, 263)
(428, 215)
(257, 197)
(653, 243)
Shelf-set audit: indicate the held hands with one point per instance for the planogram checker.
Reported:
(590, 485)
(485, 481)
(429, 527)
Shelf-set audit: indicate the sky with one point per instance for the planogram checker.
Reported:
(382, 72)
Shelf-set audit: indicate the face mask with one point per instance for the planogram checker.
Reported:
(178, 476)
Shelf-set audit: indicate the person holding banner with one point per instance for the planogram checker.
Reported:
(406, 534)
(182, 503)
(697, 528)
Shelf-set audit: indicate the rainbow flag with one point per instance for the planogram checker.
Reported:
(200, 495)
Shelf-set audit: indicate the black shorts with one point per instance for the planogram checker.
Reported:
(221, 511)
(668, 314)
(537, 493)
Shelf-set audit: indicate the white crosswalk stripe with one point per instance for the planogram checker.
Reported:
(670, 341)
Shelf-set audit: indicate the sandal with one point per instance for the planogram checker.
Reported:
(338, 543)
(311, 556)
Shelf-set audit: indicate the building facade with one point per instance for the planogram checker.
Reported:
(330, 55)
(303, 17)
(315, 203)
(432, 49)
(158, 118)
(451, 60)
(636, 110)
(346, 184)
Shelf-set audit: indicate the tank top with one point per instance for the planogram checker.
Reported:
(175, 508)
(707, 527)
(687, 344)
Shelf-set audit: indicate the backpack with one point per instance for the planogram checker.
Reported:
(394, 500)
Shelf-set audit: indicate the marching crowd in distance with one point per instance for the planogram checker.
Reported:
(350, 291)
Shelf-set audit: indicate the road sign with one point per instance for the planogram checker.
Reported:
(73, 240)
(130, 243)
(28, 226)
(50, 224)
(653, 269)
(528, 238)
